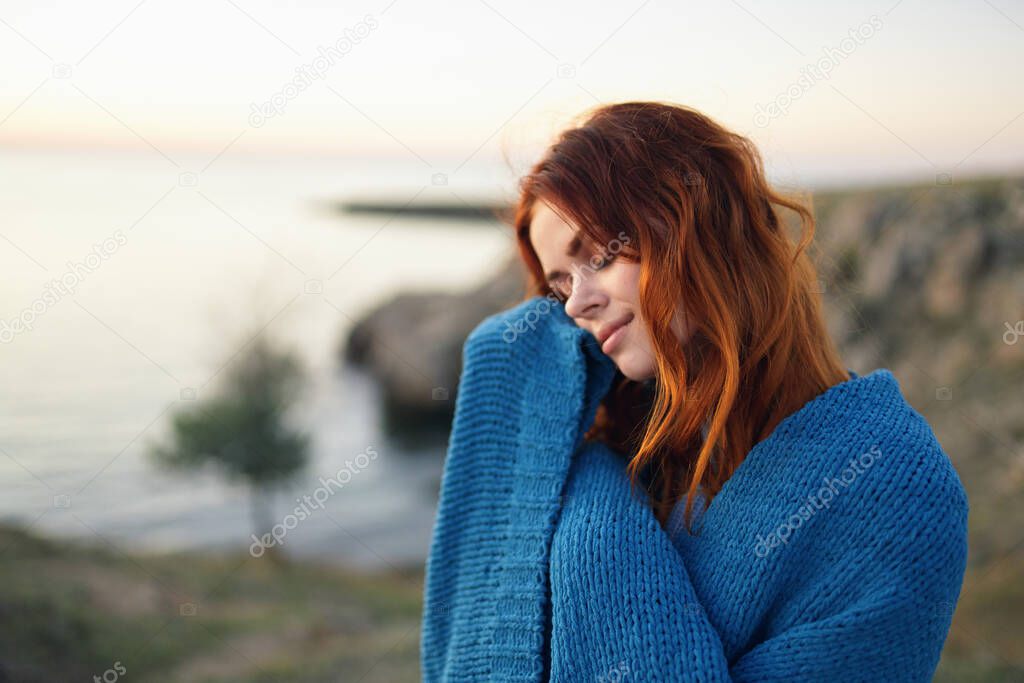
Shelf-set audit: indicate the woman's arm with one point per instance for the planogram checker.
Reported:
(623, 601)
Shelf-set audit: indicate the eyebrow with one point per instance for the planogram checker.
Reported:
(571, 250)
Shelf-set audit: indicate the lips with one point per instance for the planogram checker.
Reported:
(607, 330)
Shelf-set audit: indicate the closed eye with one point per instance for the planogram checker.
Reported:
(560, 286)
(603, 262)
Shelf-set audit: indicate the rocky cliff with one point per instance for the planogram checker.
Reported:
(926, 280)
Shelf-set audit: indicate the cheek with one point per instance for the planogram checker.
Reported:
(639, 339)
(625, 284)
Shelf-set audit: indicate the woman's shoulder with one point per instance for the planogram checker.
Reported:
(861, 451)
(881, 466)
(865, 422)
(894, 439)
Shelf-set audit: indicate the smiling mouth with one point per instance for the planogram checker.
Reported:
(615, 337)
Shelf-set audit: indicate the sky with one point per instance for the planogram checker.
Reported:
(896, 88)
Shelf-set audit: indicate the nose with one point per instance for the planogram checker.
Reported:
(585, 298)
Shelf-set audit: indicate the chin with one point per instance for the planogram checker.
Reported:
(634, 368)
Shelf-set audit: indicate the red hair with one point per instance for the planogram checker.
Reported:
(703, 223)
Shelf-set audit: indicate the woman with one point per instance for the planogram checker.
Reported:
(690, 363)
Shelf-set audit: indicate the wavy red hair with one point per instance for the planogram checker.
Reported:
(706, 229)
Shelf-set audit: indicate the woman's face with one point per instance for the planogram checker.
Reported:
(602, 290)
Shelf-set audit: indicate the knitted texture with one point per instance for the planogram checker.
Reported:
(835, 552)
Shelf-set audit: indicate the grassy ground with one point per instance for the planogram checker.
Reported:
(986, 640)
(71, 612)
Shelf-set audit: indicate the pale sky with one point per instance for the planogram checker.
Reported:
(925, 88)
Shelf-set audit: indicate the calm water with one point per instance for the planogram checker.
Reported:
(185, 268)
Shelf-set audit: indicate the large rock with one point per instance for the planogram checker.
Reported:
(412, 345)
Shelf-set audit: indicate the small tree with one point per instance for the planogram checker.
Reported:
(242, 430)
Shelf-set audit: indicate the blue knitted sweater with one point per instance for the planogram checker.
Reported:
(835, 552)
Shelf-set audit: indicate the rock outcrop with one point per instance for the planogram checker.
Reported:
(926, 280)
(412, 345)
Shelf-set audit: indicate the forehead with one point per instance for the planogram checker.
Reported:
(549, 232)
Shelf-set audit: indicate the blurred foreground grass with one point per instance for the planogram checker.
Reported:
(70, 612)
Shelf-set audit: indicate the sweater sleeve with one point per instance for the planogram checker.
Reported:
(636, 611)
